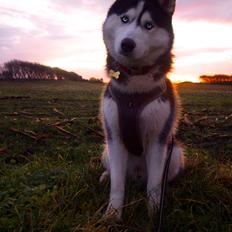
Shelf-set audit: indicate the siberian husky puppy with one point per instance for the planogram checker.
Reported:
(139, 106)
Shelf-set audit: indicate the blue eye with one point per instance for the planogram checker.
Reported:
(148, 25)
(125, 19)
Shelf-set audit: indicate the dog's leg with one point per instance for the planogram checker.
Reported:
(155, 160)
(118, 156)
(177, 162)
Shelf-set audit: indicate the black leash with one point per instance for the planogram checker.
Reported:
(159, 227)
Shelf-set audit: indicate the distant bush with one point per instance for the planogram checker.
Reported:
(218, 78)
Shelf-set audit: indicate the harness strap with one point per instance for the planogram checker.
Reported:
(130, 107)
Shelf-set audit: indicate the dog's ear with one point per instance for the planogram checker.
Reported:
(168, 5)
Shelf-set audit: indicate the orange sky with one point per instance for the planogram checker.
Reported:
(68, 34)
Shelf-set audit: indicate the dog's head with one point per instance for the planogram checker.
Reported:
(138, 32)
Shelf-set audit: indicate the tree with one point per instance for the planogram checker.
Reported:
(96, 80)
(1, 71)
(22, 70)
(62, 74)
(218, 78)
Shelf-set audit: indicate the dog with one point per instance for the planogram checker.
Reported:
(140, 107)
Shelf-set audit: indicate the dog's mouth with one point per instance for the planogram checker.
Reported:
(130, 60)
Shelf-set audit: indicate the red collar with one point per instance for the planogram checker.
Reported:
(135, 70)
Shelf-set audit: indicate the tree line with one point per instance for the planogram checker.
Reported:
(218, 78)
(23, 70)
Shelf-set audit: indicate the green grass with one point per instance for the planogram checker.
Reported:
(50, 144)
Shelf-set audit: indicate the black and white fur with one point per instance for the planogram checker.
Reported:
(137, 34)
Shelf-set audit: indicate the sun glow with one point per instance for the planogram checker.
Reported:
(201, 47)
(177, 78)
(202, 35)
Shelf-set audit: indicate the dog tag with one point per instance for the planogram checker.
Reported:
(114, 74)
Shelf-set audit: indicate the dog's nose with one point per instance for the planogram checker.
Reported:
(128, 45)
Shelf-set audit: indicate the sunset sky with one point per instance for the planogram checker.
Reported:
(68, 34)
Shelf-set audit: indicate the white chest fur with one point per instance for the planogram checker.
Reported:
(153, 119)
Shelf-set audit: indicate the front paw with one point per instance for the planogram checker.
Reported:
(153, 202)
(112, 214)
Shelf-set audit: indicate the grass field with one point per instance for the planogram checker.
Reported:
(50, 144)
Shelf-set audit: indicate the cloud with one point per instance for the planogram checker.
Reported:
(72, 5)
(46, 34)
(210, 10)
